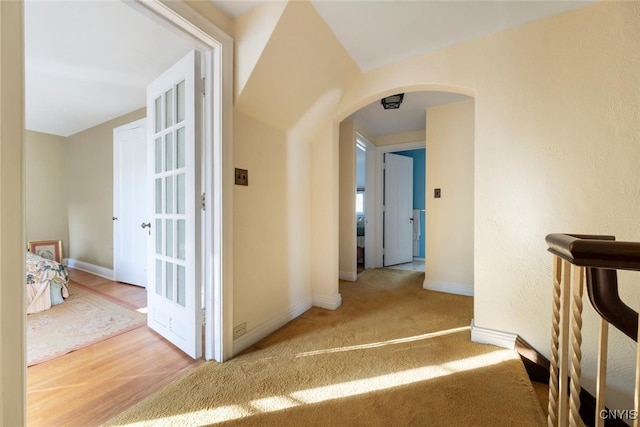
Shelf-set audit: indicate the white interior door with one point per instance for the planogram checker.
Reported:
(398, 209)
(174, 103)
(130, 206)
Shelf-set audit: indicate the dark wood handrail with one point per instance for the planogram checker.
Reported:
(595, 251)
(602, 256)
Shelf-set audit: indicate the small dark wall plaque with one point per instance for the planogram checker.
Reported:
(242, 177)
(436, 193)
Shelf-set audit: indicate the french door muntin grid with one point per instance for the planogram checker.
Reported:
(170, 194)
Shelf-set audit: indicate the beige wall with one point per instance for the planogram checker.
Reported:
(261, 226)
(325, 190)
(279, 113)
(556, 150)
(12, 249)
(89, 186)
(69, 190)
(449, 219)
(253, 31)
(46, 188)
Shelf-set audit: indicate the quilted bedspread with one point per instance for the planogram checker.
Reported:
(46, 283)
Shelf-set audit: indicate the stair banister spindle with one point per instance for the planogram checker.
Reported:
(552, 418)
(577, 279)
(565, 314)
(636, 397)
(601, 256)
(601, 379)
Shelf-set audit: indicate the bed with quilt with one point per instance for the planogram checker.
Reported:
(46, 283)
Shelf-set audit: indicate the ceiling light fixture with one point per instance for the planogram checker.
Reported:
(392, 102)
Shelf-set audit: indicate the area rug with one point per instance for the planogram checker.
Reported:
(85, 318)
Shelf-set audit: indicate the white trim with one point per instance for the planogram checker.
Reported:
(218, 222)
(370, 223)
(348, 276)
(327, 302)
(404, 146)
(450, 288)
(96, 270)
(129, 126)
(269, 326)
(491, 336)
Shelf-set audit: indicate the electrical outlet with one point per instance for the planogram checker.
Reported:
(240, 330)
(242, 176)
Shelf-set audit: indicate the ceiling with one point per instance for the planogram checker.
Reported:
(80, 72)
(409, 117)
(380, 32)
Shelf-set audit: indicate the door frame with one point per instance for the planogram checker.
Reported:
(13, 396)
(378, 232)
(369, 200)
(217, 227)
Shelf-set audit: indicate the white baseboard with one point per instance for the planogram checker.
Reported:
(327, 302)
(351, 277)
(105, 273)
(271, 325)
(450, 288)
(491, 336)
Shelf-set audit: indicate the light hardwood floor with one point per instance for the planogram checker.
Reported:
(89, 386)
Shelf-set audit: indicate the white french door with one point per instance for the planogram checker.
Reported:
(398, 209)
(174, 109)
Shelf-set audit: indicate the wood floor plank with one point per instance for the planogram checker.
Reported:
(89, 386)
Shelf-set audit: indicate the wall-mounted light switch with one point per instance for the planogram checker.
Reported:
(242, 177)
(436, 193)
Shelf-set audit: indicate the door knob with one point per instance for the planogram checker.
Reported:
(114, 218)
(146, 225)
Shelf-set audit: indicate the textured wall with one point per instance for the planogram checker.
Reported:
(556, 150)
(263, 231)
(450, 149)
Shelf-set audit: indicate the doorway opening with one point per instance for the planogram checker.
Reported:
(365, 202)
(391, 131)
(216, 65)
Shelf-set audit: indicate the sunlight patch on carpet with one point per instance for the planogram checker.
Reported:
(333, 391)
(384, 343)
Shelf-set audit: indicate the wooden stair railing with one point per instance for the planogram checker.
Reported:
(596, 258)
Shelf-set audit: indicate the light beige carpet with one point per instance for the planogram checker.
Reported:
(392, 355)
(85, 318)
